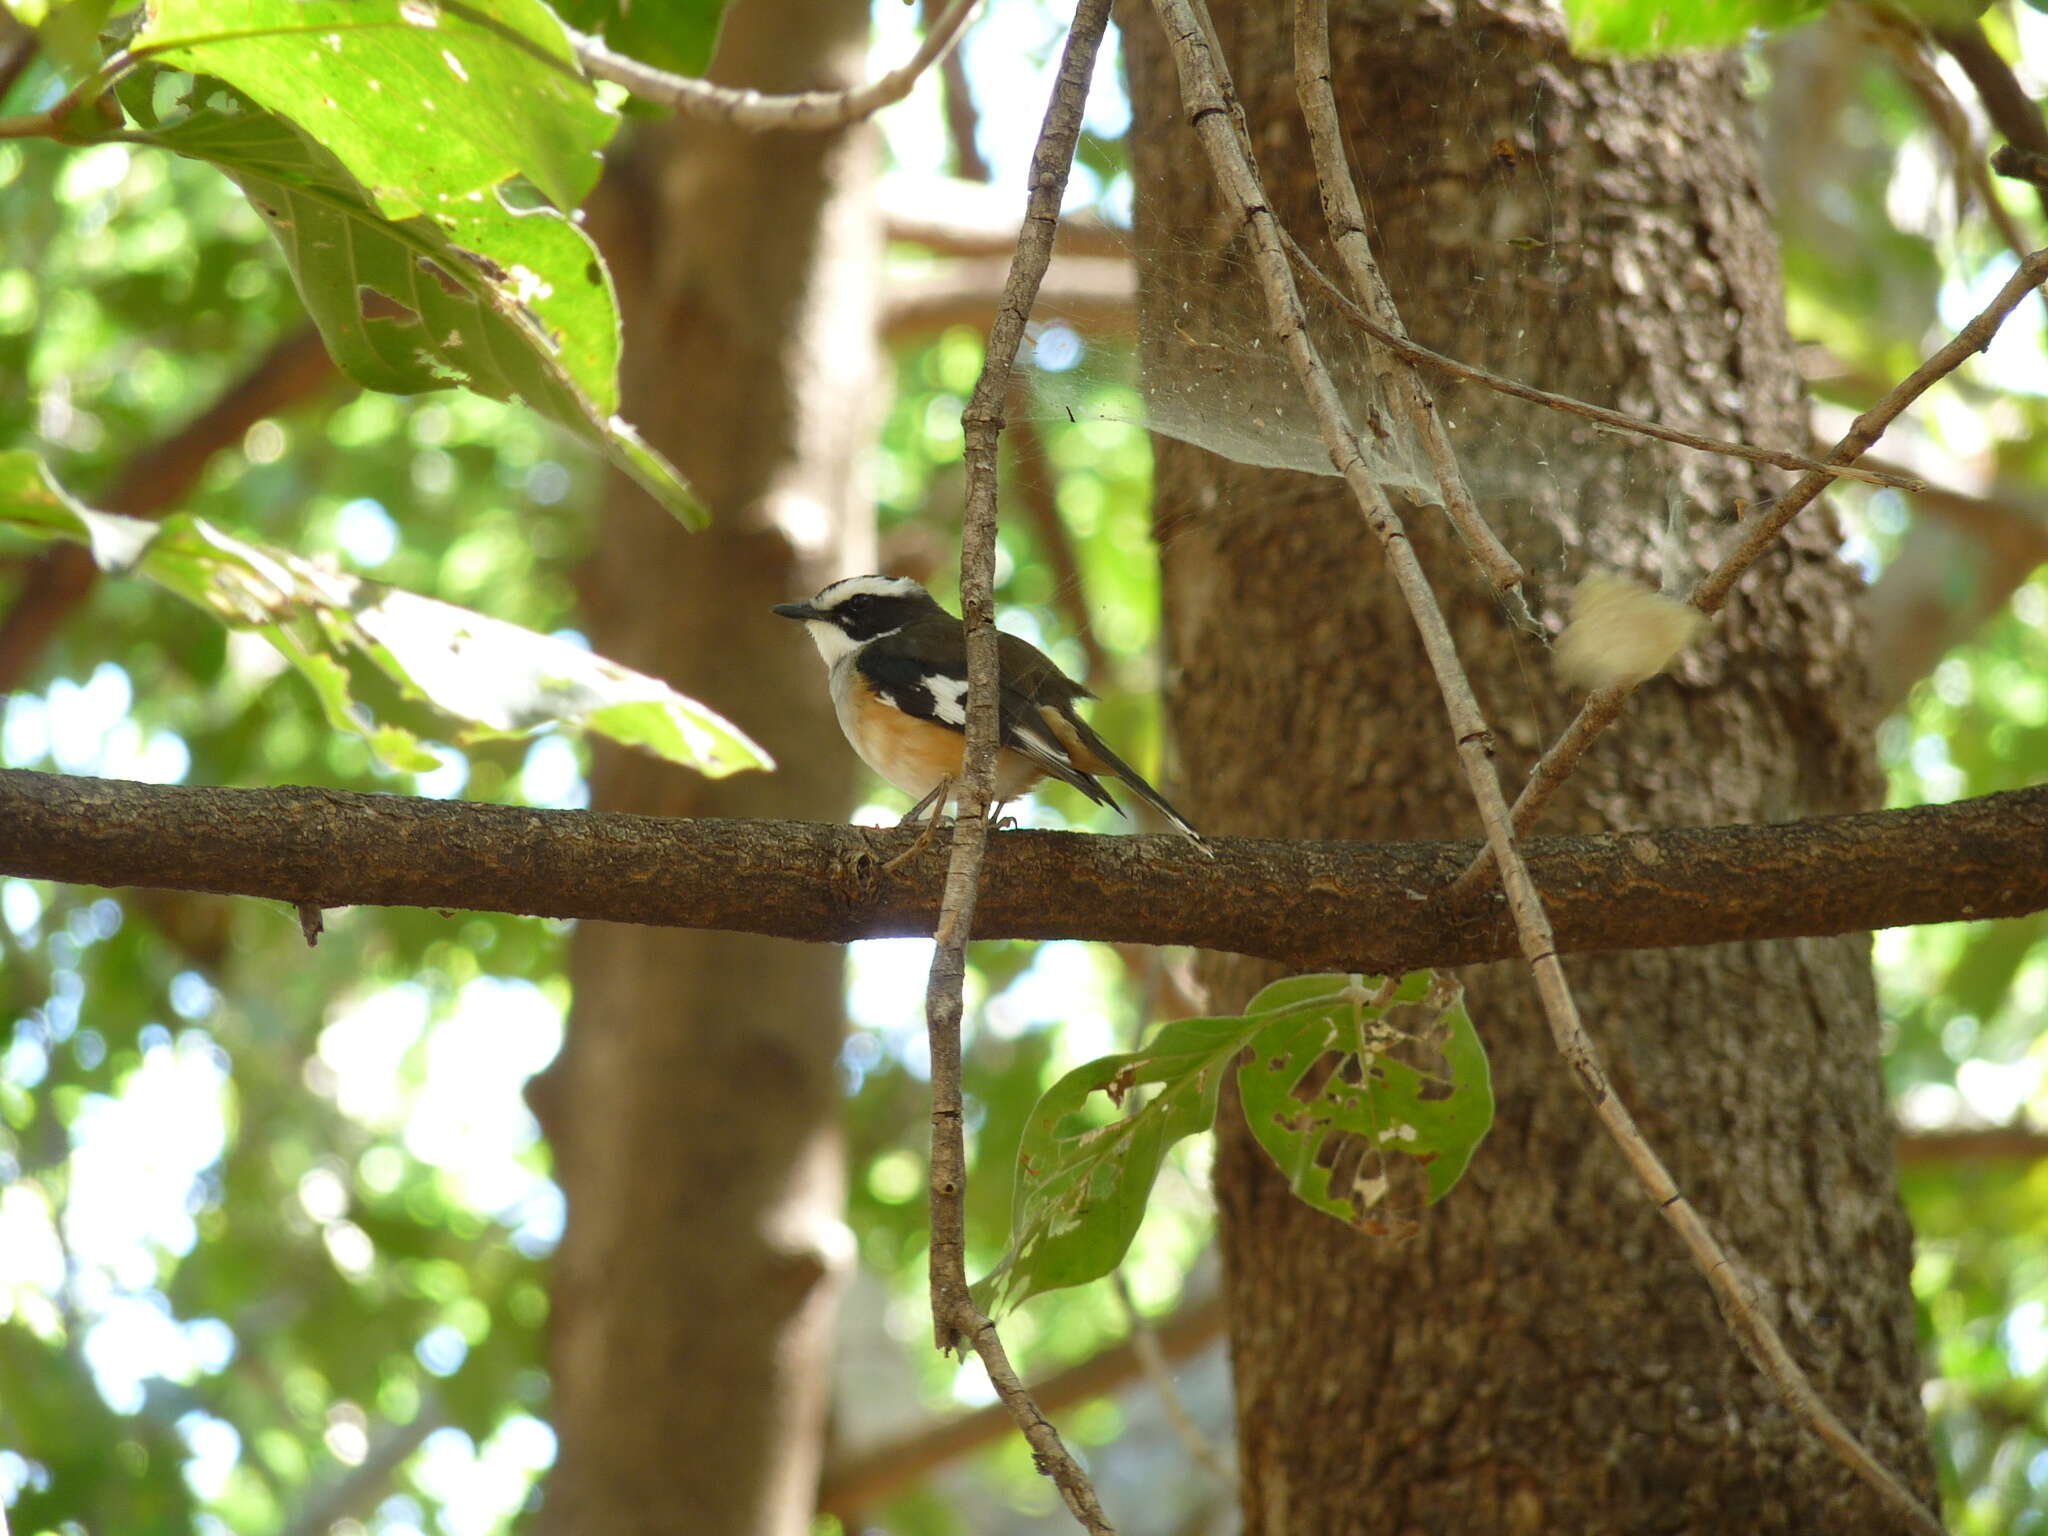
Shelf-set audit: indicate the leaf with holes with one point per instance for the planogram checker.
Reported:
(511, 301)
(423, 101)
(496, 678)
(1372, 1101)
(1091, 1152)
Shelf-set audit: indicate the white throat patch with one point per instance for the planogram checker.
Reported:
(833, 643)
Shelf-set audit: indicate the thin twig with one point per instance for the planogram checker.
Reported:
(1603, 706)
(1910, 47)
(1403, 346)
(868, 1477)
(1037, 482)
(2008, 104)
(812, 110)
(1205, 93)
(963, 120)
(955, 1316)
(1151, 1358)
(1345, 214)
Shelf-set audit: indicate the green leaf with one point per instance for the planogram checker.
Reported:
(1668, 26)
(496, 678)
(424, 101)
(1084, 1172)
(1346, 1095)
(676, 35)
(513, 302)
(1344, 1079)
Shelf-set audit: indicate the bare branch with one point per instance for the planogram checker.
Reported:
(2012, 1143)
(1206, 93)
(1403, 346)
(1094, 294)
(952, 217)
(956, 1318)
(2012, 111)
(1371, 907)
(866, 1479)
(1037, 486)
(963, 122)
(1344, 212)
(807, 110)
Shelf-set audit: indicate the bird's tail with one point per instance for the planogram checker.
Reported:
(1106, 761)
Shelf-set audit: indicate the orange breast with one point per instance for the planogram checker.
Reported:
(915, 754)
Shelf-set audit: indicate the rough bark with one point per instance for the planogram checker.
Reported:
(1542, 1357)
(1301, 904)
(694, 1111)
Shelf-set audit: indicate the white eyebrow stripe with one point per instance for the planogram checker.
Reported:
(865, 586)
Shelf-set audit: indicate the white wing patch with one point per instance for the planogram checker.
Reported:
(949, 698)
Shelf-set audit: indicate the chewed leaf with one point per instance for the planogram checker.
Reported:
(496, 678)
(1085, 1168)
(1370, 1102)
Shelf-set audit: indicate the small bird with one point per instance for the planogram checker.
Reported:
(897, 665)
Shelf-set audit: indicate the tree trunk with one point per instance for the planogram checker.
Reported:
(1542, 1357)
(695, 1112)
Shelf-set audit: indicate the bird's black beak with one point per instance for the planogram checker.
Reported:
(797, 611)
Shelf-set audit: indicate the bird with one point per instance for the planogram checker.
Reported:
(896, 662)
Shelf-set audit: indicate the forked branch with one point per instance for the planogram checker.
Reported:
(1206, 93)
(813, 110)
(1603, 706)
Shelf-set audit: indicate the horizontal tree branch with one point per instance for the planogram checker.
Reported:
(1350, 906)
(2004, 1143)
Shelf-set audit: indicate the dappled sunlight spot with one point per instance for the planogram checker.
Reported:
(1066, 984)
(215, 1447)
(364, 1048)
(31, 1260)
(479, 1488)
(446, 781)
(137, 1155)
(134, 1341)
(365, 531)
(971, 1387)
(469, 1119)
(1995, 1091)
(552, 776)
(21, 907)
(885, 981)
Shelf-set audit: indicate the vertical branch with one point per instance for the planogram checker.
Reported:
(1037, 482)
(1399, 377)
(962, 120)
(955, 1317)
(1205, 91)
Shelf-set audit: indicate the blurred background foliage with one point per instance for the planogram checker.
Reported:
(274, 1222)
